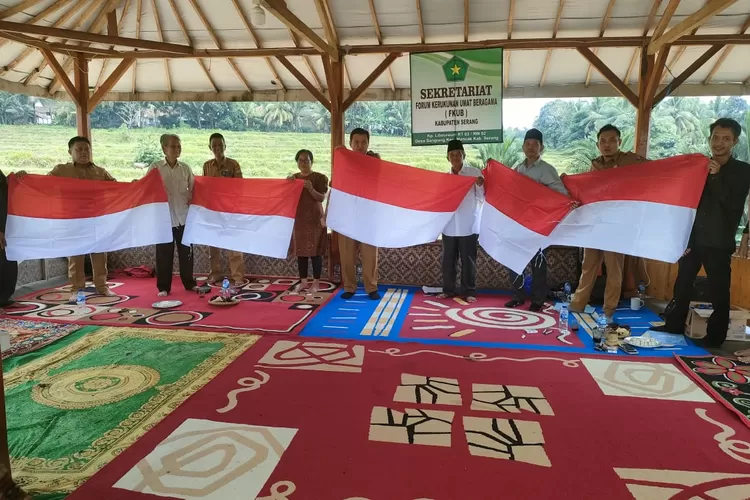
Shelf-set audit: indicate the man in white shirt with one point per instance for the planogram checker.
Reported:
(178, 183)
(542, 172)
(461, 235)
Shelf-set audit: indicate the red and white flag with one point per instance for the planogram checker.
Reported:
(646, 210)
(518, 215)
(51, 217)
(391, 205)
(247, 215)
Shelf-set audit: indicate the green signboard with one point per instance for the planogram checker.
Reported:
(457, 95)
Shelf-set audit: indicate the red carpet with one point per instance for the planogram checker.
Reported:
(486, 321)
(317, 420)
(267, 307)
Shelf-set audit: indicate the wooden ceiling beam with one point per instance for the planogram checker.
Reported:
(326, 19)
(305, 82)
(725, 54)
(54, 7)
(105, 63)
(138, 15)
(279, 9)
(602, 29)
(649, 22)
(256, 40)
(110, 82)
(466, 20)
(665, 18)
(18, 8)
(185, 33)
(554, 35)
(421, 23)
(215, 37)
(607, 73)
(370, 79)
(677, 56)
(379, 36)
(694, 21)
(160, 34)
(506, 66)
(648, 97)
(31, 29)
(112, 25)
(58, 70)
(680, 79)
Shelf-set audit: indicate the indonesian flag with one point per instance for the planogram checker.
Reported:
(51, 217)
(247, 215)
(645, 210)
(390, 205)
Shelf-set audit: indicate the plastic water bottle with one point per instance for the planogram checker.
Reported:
(601, 324)
(564, 318)
(225, 293)
(80, 298)
(567, 290)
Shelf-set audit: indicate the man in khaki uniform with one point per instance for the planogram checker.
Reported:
(221, 166)
(359, 141)
(81, 167)
(608, 142)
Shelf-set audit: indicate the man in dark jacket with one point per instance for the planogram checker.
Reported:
(712, 241)
(8, 269)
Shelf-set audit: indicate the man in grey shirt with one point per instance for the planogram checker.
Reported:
(539, 170)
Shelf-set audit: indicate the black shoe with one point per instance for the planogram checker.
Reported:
(535, 308)
(513, 303)
(374, 295)
(7, 303)
(663, 328)
(347, 295)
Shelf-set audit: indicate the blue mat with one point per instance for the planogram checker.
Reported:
(363, 319)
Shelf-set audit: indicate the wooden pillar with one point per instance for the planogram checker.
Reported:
(643, 113)
(335, 76)
(82, 89)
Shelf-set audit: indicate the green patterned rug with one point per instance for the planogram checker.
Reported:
(72, 410)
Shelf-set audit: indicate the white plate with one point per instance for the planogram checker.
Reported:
(166, 304)
(646, 342)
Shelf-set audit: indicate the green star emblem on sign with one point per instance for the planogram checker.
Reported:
(455, 69)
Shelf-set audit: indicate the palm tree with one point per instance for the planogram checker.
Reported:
(280, 114)
(508, 152)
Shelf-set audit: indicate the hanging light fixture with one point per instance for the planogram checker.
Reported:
(257, 14)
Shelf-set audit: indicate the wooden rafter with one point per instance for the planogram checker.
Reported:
(419, 19)
(307, 62)
(379, 36)
(511, 14)
(18, 8)
(160, 34)
(370, 79)
(607, 73)
(94, 26)
(678, 54)
(646, 100)
(602, 29)
(279, 9)
(725, 54)
(29, 51)
(664, 20)
(215, 37)
(466, 20)
(185, 33)
(54, 7)
(687, 73)
(692, 22)
(112, 25)
(105, 63)
(58, 70)
(92, 37)
(138, 15)
(332, 36)
(110, 82)
(649, 22)
(305, 82)
(256, 40)
(554, 35)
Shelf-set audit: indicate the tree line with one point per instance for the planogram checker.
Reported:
(679, 124)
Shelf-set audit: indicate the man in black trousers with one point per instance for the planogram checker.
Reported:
(712, 241)
(8, 269)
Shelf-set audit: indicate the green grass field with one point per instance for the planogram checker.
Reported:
(38, 148)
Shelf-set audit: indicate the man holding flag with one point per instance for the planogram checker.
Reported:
(608, 143)
(221, 166)
(712, 241)
(542, 172)
(461, 235)
(359, 141)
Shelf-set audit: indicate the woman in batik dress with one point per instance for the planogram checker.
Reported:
(309, 238)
